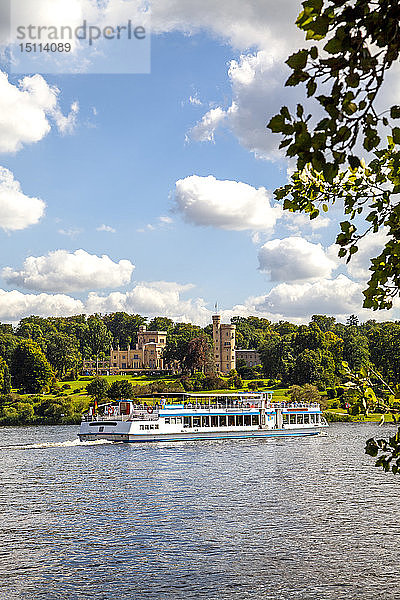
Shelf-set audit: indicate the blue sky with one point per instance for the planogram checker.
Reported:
(113, 151)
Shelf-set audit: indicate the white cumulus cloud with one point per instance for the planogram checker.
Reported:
(17, 211)
(369, 247)
(63, 271)
(225, 204)
(205, 129)
(340, 296)
(294, 259)
(15, 305)
(258, 91)
(152, 299)
(26, 112)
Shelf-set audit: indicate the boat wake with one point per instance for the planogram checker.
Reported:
(66, 444)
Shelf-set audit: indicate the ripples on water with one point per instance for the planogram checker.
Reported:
(276, 519)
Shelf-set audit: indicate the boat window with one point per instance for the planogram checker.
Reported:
(156, 427)
(306, 419)
(255, 419)
(300, 419)
(101, 429)
(292, 419)
(151, 426)
(318, 418)
(239, 420)
(141, 427)
(186, 421)
(146, 427)
(285, 420)
(173, 420)
(222, 421)
(196, 421)
(231, 420)
(312, 418)
(214, 421)
(205, 422)
(247, 420)
(178, 420)
(167, 420)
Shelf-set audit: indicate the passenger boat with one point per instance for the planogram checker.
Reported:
(179, 417)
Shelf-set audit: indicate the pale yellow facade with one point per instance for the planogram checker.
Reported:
(146, 354)
(250, 356)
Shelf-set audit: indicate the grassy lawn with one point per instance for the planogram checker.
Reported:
(372, 418)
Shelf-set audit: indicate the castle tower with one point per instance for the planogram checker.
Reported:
(224, 338)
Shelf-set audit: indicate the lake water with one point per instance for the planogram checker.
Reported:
(293, 519)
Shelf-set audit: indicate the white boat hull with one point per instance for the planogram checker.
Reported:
(198, 435)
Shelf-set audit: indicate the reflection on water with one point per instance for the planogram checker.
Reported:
(274, 519)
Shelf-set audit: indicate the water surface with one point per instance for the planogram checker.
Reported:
(277, 519)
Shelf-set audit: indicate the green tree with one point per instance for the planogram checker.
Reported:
(5, 378)
(309, 338)
(30, 369)
(323, 322)
(98, 388)
(198, 354)
(120, 390)
(277, 357)
(123, 327)
(8, 343)
(307, 368)
(62, 352)
(355, 349)
(306, 393)
(178, 340)
(355, 43)
(97, 337)
(161, 324)
(384, 347)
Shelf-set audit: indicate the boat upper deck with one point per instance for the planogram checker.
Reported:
(156, 406)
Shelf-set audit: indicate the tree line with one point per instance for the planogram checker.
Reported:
(40, 350)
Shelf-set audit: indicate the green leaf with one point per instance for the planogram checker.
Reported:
(298, 60)
(353, 80)
(311, 87)
(354, 161)
(334, 46)
(396, 135)
(276, 124)
(395, 112)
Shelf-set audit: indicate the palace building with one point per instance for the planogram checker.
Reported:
(250, 356)
(146, 354)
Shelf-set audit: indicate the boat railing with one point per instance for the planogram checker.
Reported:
(293, 405)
